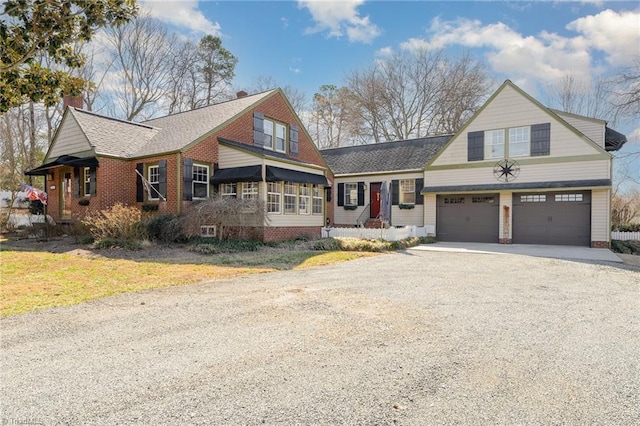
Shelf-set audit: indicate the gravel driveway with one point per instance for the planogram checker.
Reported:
(409, 338)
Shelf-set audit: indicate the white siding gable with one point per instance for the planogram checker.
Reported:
(69, 140)
(590, 127)
(510, 108)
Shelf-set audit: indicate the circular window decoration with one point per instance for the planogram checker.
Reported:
(506, 170)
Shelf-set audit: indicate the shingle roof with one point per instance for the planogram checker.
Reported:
(411, 154)
(178, 130)
(110, 136)
(128, 139)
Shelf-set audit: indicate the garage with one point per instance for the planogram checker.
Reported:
(562, 218)
(468, 217)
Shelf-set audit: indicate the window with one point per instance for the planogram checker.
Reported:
(200, 182)
(351, 194)
(568, 197)
(268, 134)
(454, 200)
(208, 231)
(304, 203)
(494, 144)
(317, 200)
(280, 138)
(228, 190)
(535, 198)
(153, 174)
(273, 197)
(275, 135)
(482, 200)
(290, 198)
(519, 138)
(86, 172)
(407, 191)
(249, 190)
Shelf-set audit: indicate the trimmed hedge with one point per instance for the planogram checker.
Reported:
(626, 247)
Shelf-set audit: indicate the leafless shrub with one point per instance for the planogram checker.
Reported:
(237, 217)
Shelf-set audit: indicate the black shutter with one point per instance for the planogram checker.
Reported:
(162, 178)
(139, 185)
(340, 194)
(395, 192)
(293, 139)
(92, 181)
(419, 185)
(540, 139)
(475, 146)
(258, 129)
(361, 193)
(187, 179)
(76, 182)
(328, 190)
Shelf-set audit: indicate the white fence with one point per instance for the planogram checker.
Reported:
(388, 234)
(625, 236)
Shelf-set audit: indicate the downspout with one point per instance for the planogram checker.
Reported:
(179, 182)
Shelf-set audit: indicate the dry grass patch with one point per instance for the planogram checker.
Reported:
(38, 280)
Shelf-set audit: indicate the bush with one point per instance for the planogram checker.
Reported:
(626, 227)
(356, 244)
(166, 228)
(213, 246)
(626, 247)
(109, 243)
(117, 223)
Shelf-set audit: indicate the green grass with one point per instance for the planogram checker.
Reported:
(33, 280)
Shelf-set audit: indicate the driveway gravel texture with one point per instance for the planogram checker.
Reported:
(412, 337)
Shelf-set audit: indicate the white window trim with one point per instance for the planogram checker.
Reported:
(194, 182)
(273, 125)
(319, 191)
(278, 186)
(348, 191)
(293, 194)
(86, 177)
(403, 192)
(527, 132)
(223, 188)
(488, 148)
(153, 195)
(246, 195)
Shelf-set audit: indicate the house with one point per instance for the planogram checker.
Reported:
(360, 172)
(519, 172)
(250, 147)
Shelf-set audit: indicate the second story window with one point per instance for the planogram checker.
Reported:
(494, 144)
(275, 135)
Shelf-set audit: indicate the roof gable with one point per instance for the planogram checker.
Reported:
(68, 139)
(112, 137)
(177, 131)
(411, 154)
(509, 106)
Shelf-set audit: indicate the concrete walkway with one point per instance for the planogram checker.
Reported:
(553, 252)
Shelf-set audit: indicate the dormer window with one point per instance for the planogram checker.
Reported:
(275, 135)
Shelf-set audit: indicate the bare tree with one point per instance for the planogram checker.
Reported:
(588, 97)
(296, 97)
(626, 92)
(330, 116)
(141, 71)
(414, 94)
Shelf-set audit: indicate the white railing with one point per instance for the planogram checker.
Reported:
(625, 236)
(388, 234)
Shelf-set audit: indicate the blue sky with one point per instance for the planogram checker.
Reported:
(306, 44)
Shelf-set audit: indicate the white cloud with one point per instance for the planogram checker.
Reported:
(616, 34)
(339, 18)
(545, 57)
(184, 14)
(384, 52)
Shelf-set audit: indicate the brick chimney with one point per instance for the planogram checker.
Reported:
(241, 94)
(72, 101)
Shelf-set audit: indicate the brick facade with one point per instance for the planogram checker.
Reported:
(116, 178)
(600, 244)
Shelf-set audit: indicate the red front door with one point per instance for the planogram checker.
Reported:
(375, 199)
